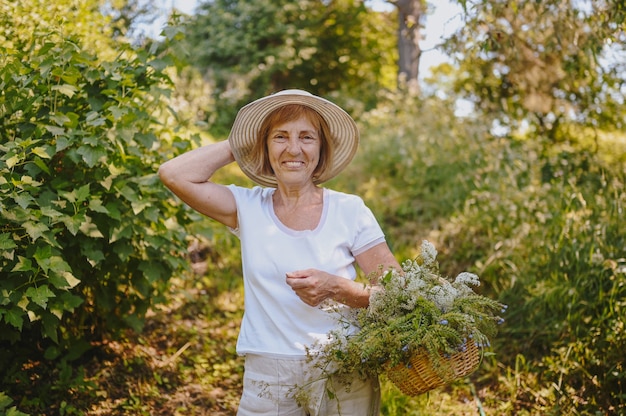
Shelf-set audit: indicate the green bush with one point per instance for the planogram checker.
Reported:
(88, 236)
(543, 227)
(546, 232)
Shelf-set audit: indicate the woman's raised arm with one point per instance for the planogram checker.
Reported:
(189, 174)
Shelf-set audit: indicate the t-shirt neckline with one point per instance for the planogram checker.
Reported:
(291, 231)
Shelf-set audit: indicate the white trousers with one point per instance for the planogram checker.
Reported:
(268, 389)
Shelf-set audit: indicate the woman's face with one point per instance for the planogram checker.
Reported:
(294, 151)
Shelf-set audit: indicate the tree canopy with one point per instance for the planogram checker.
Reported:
(550, 63)
(247, 49)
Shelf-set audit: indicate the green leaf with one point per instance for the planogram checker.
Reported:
(91, 155)
(139, 206)
(23, 200)
(130, 194)
(57, 281)
(106, 183)
(35, 230)
(94, 256)
(95, 204)
(15, 317)
(70, 301)
(69, 75)
(40, 295)
(70, 196)
(50, 212)
(13, 160)
(159, 64)
(117, 112)
(12, 411)
(94, 119)
(52, 352)
(58, 264)
(146, 139)
(50, 326)
(5, 400)
(59, 118)
(4, 298)
(82, 193)
(63, 303)
(41, 165)
(42, 257)
(62, 143)
(152, 213)
(134, 321)
(57, 131)
(114, 212)
(65, 89)
(23, 265)
(73, 223)
(123, 250)
(78, 349)
(153, 271)
(121, 232)
(41, 152)
(171, 32)
(6, 242)
(71, 280)
(90, 229)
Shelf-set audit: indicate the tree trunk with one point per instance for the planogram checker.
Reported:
(410, 14)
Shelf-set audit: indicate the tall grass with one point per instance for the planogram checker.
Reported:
(542, 225)
(558, 260)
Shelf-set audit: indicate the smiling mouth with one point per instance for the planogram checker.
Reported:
(293, 164)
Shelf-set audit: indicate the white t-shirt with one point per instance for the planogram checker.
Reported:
(276, 321)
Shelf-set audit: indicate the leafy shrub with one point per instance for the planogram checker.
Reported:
(552, 224)
(88, 236)
(541, 224)
(5, 401)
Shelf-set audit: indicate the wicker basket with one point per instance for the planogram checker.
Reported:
(419, 376)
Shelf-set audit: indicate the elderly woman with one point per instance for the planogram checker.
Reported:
(299, 241)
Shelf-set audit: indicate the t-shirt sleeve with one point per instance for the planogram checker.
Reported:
(238, 193)
(249, 201)
(368, 231)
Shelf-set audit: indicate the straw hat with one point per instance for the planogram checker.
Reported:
(243, 136)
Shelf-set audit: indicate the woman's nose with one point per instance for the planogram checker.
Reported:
(293, 146)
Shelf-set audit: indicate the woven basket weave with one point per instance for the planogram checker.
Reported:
(419, 376)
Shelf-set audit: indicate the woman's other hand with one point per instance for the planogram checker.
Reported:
(312, 286)
(315, 286)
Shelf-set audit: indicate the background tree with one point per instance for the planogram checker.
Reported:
(247, 49)
(411, 15)
(129, 16)
(74, 18)
(548, 63)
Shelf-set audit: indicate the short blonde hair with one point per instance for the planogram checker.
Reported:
(286, 114)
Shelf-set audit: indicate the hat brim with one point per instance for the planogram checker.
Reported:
(243, 135)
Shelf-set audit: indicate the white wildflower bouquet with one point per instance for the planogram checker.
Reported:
(415, 313)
